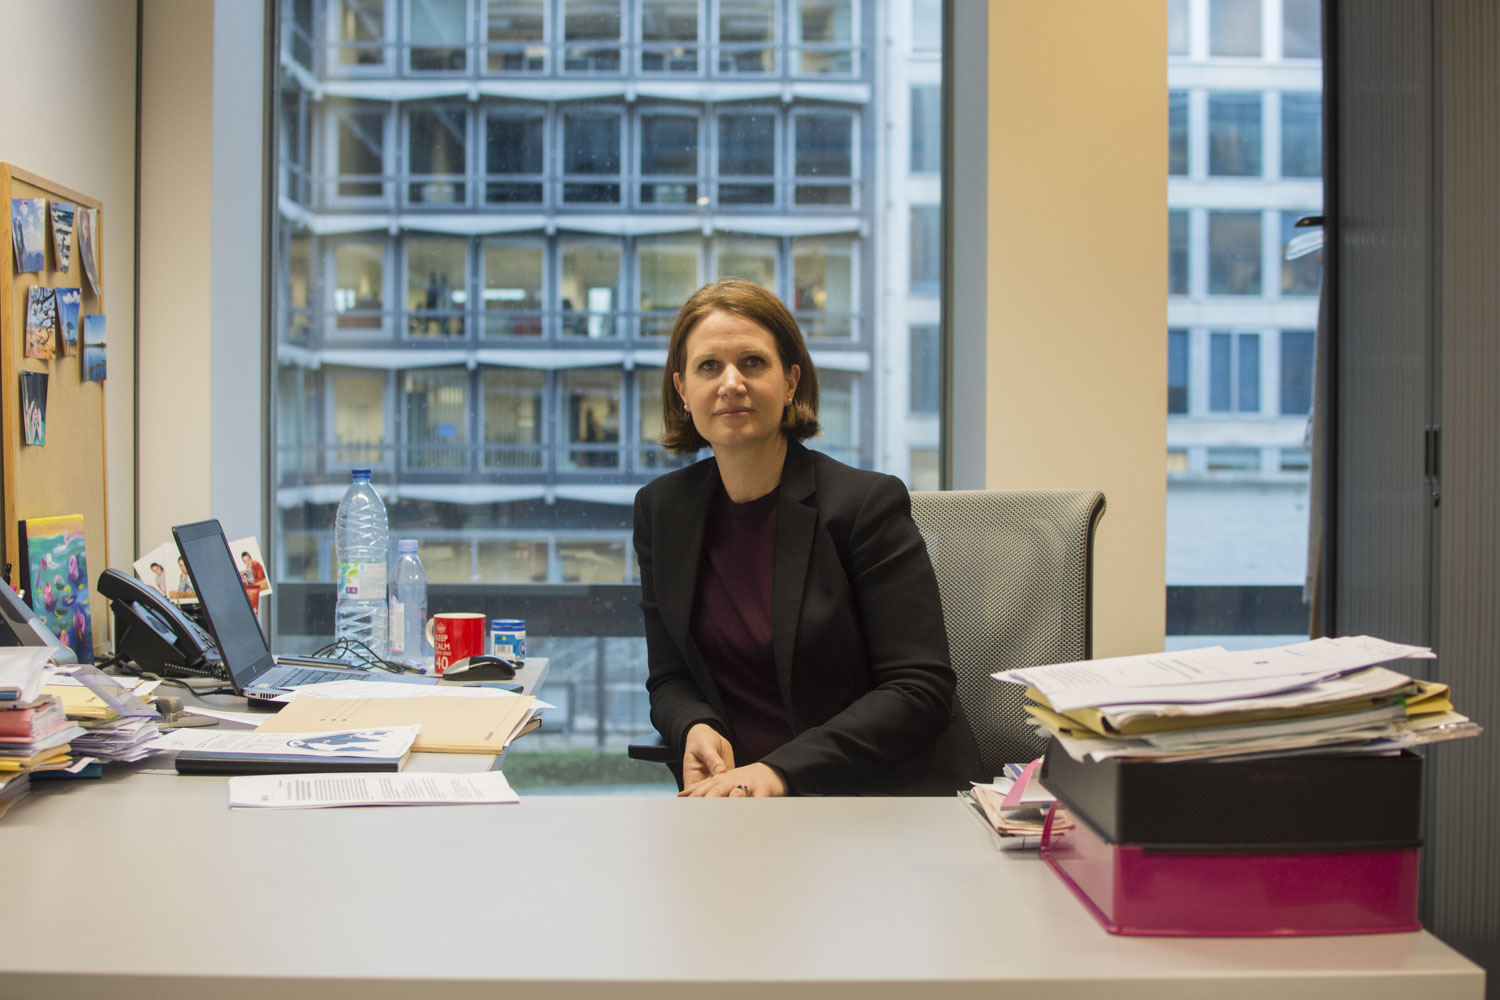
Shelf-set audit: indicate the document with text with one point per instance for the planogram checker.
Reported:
(323, 791)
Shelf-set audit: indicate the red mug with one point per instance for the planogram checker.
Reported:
(455, 635)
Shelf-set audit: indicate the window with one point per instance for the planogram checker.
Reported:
(1301, 135)
(1296, 372)
(747, 157)
(590, 419)
(838, 412)
(926, 249)
(359, 425)
(591, 149)
(360, 31)
(591, 30)
(823, 281)
(926, 129)
(1295, 460)
(824, 31)
(669, 159)
(514, 280)
(1234, 372)
(513, 154)
(359, 284)
(824, 147)
(1303, 275)
(1177, 132)
(668, 267)
(359, 134)
(511, 419)
(437, 282)
(1234, 264)
(515, 31)
(926, 364)
(747, 37)
(749, 257)
(1177, 252)
(438, 31)
(1234, 27)
(1234, 134)
(1177, 371)
(590, 291)
(436, 151)
(1302, 29)
(1177, 27)
(669, 36)
(1222, 459)
(927, 25)
(435, 419)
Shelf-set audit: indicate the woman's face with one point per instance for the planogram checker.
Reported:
(733, 382)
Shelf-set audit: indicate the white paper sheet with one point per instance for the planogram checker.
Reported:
(244, 718)
(386, 689)
(385, 742)
(321, 791)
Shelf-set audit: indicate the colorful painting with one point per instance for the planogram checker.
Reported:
(57, 579)
(28, 232)
(68, 300)
(94, 359)
(34, 407)
(41, 323)
(62, 232)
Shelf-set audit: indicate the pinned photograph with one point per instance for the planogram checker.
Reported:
(62, 232)
(28, 232)
(54, 564)
(87, 222)
(41, 323)
(68, 300)
(93, 348)
(34, 407)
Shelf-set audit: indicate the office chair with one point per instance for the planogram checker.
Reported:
(1015, 572)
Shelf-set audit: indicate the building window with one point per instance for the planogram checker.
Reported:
(437, 147)
(1302, 29)
(512, 419)
(590, 418)
(515, 36)
(1234, 27)
(359, 419)
(438, 30)
(926, 367)
(1234, 262)
(436, 419)
(669, 36)
(359, 155)
(591, 36)
(747, 157)
(591, 155)
(1296, 460)
(360, 34)
(747, 37)
(926, 129)
(359, 285)
(1296, 372)
(514, 144)
(1177, 133)
(824, 32)
(1225, 459)
(668, 267)
(823, 293)
(1303, 275)
(1177, 252)
(838, 413)
(590, 287)
(824, 157)
(1234, 134)
(926, 249)
(1234, 372)
(669, 159)
(1177, 27)
(1177, 371)
(927, 25)
(437, 285)
(514, 279)
(1301, 135)
(752, 258)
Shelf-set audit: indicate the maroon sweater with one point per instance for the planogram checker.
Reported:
(732, 621)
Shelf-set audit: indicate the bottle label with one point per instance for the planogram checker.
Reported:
(397, 630)
(362, 581)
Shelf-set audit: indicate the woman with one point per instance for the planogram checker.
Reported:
(793, 628)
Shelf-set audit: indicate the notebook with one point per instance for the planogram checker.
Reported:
(253, 671)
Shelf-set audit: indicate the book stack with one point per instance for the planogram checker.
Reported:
(34, 731)
(1216, 793)
(113, 724)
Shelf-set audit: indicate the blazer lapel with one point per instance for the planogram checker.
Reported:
(796, 525)
(680, 541)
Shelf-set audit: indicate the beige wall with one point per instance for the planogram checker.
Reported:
(68, 73)
(1077, 281)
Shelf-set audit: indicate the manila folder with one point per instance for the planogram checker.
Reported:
(451, 725)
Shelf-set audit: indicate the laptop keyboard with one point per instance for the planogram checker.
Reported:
(313, 675)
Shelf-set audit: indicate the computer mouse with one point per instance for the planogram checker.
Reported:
(480, 668)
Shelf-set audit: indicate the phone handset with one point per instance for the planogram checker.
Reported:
(153, 632)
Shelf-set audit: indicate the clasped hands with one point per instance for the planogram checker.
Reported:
(708, 769)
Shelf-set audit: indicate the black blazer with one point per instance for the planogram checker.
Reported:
(857, 630)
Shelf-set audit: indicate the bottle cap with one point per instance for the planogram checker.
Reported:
(514, 624)
(406, 545)
(361, 473)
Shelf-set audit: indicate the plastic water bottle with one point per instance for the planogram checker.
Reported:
(362, 547)
(409, 607)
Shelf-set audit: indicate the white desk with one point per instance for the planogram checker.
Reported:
(619, 898)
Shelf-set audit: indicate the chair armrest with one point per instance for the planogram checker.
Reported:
(657, 752)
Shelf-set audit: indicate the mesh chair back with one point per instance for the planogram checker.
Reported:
(1015, 570)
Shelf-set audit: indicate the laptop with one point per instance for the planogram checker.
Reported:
(253, 671)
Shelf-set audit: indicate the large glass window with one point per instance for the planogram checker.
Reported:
(669, 159)
(590, 419)
(1302, 29)
(926, 129)
(437, 147)
(669, 36)
(926, 249)
(591, 152)
(360, 33)
(747, 157)
(824, 30)
(1301, 135)
(1177, 371)
(1234, 258)
(359, 284)
(515, 32)
(747, 37)
(435, 424)
(1177, 132)
(590, 288)
(1177, 252)
(437, 284)
(669, 274)
(514, 283)
(1234, 134)
(1234, 372)
(359, 154)
(824, 150)
(1300, 276)
(823, 281)
(1234, 27)
(1296, 372)
(512, 421)
(514, 146)
(591, 30)
(439, 33)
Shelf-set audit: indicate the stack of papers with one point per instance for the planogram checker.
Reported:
(112, 722)
(1013, 807)
(460, 724)
(1326, 695)
(35, 732)
(239, 752)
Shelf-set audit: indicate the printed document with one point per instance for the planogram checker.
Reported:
(388, 742)
(321, 791)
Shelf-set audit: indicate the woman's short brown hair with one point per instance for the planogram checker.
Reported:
(799, 420)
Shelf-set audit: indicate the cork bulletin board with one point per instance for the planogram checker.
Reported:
(65, 475)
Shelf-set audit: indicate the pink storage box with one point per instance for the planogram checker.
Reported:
(1133, 890)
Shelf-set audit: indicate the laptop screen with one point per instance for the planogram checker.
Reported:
(216, 580)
